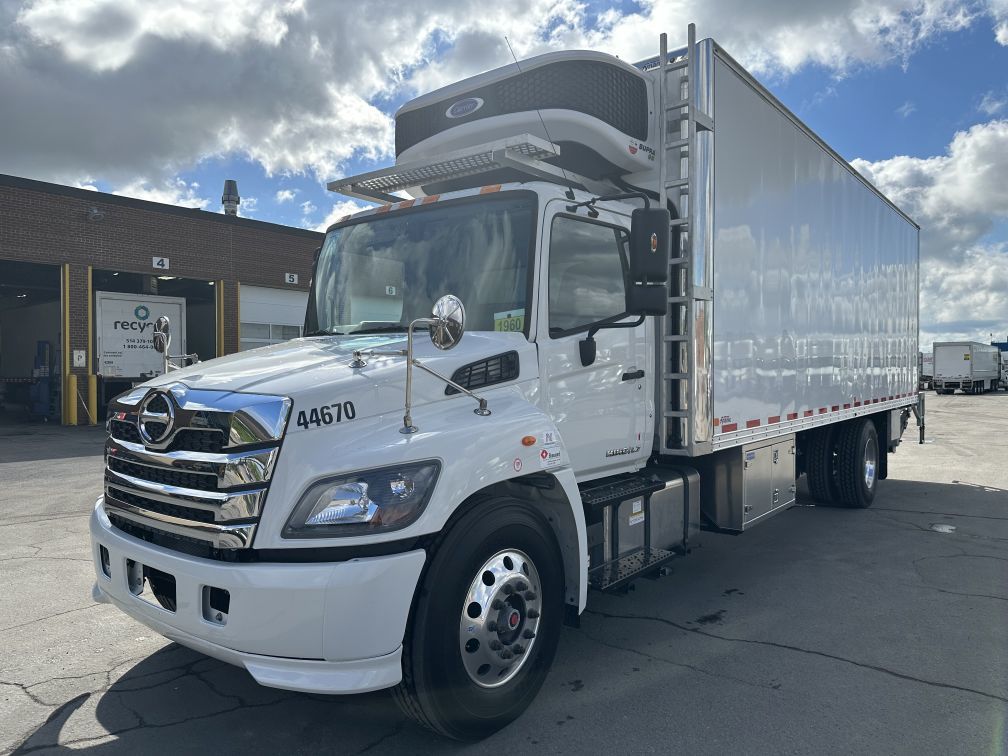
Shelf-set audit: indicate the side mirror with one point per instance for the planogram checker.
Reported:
(448, 315)
(162, 334)
(647, 292)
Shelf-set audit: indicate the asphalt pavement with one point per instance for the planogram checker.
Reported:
(821, 631)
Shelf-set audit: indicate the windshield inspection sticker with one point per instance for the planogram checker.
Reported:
(509, 320)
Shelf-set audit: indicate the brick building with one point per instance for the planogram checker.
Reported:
(69, 257)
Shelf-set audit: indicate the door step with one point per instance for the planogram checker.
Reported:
(596, 495)
(618, 573)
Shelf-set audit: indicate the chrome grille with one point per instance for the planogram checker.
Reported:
(200, 489)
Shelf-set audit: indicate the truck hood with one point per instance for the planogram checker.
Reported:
(317, 370)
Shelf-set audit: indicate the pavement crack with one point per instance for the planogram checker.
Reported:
(26, 689)
(938, 514)
(800, 650)
(374, 744)
(47, 617)
(683, 665)
(47, 518)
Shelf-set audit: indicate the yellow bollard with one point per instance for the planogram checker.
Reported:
(71, 399)
(92, 399)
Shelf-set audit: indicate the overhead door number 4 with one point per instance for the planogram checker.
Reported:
(327, 414)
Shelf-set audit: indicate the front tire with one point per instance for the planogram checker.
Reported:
(858, 463)
(486, 623)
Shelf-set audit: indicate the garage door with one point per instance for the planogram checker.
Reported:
(269, 316)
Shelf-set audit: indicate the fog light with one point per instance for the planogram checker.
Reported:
(106, 563)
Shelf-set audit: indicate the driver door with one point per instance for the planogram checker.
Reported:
(604, 410)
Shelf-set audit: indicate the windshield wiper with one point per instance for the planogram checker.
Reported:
(324, 333)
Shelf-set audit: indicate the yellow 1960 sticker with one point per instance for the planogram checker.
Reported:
(509, 320)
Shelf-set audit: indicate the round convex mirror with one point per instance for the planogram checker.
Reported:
(449, 322)
(162, 334)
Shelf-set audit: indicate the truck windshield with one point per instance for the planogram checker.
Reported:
(380, 273)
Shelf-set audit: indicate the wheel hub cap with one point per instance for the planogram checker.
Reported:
(500, 618)
(869, 464)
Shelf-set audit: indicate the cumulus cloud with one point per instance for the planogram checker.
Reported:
(247, 206)
(307, 208)
(285, 195)
(129, 88)
(339, 211)
(992, 104)
(957, 198)
(173, 191)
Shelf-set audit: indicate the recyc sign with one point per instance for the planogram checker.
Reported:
(125, 330)
(142, 322)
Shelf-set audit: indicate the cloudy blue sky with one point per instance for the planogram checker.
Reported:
(165, 100)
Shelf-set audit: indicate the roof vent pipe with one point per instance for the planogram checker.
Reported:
(230, 199)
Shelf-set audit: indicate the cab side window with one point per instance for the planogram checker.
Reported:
(587, 275)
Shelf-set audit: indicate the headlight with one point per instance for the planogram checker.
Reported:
(388, 498)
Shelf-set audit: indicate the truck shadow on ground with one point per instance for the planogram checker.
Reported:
(177, 700)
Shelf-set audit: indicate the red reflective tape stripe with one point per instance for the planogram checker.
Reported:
(752, 423)
(857, 403)
(822, 410)
(717, 421)
(729, 427)
(404, 205)
(383, 209)
(429, 199)
(836, 408)
(874, 401)
(846, 406)
(490, 189)
(792, 415)
(808, 413)
(773, 419)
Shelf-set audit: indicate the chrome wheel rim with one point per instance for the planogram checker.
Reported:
(500, 618)
(870, 463)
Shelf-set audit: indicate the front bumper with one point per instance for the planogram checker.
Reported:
(316, 627)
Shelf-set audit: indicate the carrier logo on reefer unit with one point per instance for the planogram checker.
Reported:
(464, 108)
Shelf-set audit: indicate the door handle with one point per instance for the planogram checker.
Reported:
(636, 375)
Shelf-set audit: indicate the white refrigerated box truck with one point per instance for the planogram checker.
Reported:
(675, 300)
(970, 366)
(124, 330)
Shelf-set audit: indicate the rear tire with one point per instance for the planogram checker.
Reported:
(858, 463)
(820, 465)
(497, 567)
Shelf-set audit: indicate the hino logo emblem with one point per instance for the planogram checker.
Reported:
(465, 107)
(155, 424)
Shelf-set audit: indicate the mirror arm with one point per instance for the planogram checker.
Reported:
(408, 426)
(586, 347)
(482, 410)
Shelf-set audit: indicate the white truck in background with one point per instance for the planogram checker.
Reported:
(926, 378)
(124, 329)
(970, 366)
(659, 299)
